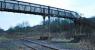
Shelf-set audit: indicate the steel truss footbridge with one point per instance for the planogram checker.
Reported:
(37, 9)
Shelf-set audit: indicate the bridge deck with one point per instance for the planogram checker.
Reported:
(31, 8)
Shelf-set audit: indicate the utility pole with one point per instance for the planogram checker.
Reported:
(75, 30)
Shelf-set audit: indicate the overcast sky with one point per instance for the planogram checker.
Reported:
(85, 7)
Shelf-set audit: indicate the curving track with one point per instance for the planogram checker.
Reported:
(36, 46)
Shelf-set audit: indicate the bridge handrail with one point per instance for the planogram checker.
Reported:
(48, 8)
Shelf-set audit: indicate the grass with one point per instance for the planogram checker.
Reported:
(3, 38)
(71, 45)
(10, 47)
(5, 44)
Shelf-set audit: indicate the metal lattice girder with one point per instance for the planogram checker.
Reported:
(31, 8)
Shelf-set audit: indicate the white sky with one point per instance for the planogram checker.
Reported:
(85, 7)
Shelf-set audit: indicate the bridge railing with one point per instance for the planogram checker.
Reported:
(32, 8)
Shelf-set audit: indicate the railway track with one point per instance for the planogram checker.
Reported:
(26, 44)
(41, 45)
(37, 46)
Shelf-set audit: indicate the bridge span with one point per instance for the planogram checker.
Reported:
(37, 9)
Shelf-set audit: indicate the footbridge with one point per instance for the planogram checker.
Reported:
(37, 9)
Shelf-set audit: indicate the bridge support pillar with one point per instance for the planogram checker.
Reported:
(44, 20)
(42, 33)
(49, 22)
(49, 34)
